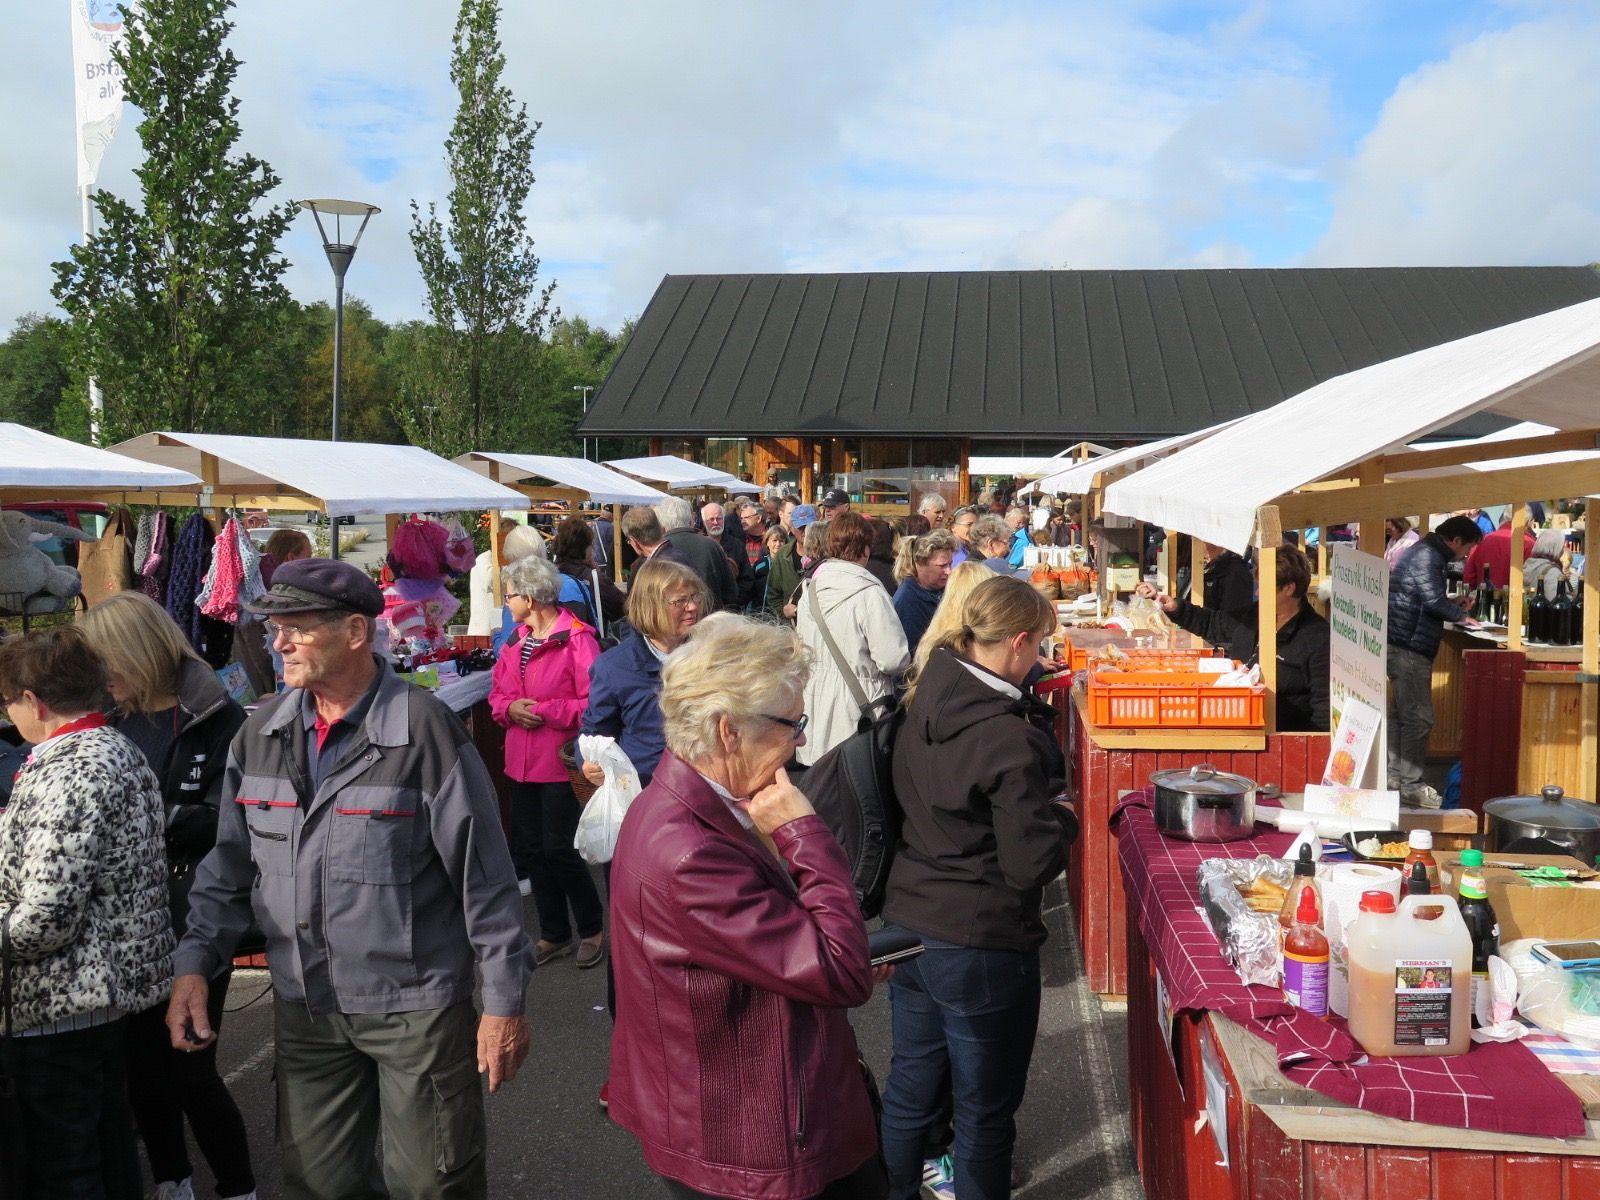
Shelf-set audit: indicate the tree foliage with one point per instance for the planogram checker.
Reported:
(176, 302)
(478, 264)
(33, 371)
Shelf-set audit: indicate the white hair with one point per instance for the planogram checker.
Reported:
(729, 667)
(534, 578)
(931, 501)
(674, 513)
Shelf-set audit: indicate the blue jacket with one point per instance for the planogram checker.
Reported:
(1019, 543)
(625, 703)
(1417, 605)
(915, 605)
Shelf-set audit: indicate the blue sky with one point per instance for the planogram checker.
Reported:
(757, 136)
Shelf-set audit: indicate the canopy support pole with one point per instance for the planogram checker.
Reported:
(1515, 584)
(1590, 704)
(616, 544)
(496, 561)
(1197, 570)
(1269, 536)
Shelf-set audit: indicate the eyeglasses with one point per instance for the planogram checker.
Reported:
(295, 635)
(681, 602)
(798, 728)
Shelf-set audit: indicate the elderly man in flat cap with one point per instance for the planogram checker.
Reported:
(359, 827)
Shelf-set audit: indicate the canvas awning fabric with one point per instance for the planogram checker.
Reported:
(1544, 369)
(347, 478)
(30, 458)
(678, 472)
(1079, 478)
(599, 482)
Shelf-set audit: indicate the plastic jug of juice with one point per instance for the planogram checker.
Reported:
(1411, 978)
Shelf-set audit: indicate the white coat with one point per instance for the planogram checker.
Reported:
(862, 620)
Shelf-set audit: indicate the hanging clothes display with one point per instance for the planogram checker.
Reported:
(251, 586)
(219, 594)
(141, 541)
(153, 568)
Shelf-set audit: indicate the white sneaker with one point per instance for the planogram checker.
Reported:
(246, 1196)
(525, 886)
(182, 1189)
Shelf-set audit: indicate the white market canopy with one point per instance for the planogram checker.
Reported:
(598, 482)
(341, 478)
(35, 460)
(1079, 479)
(1545, 369)
(679, 473)
(1032, 466)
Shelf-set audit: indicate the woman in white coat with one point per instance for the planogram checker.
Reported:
(484, 616)
(861, 619)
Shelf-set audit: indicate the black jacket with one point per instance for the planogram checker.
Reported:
(732, 542)
(1418, 608)
(1302, 658)
(974, 777)
(191, 781)
(707, 559)
(1230, 585)
(613, 604)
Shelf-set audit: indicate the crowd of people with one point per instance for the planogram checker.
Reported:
(348, 830)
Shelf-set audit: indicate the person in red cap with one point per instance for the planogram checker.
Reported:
(359, 828)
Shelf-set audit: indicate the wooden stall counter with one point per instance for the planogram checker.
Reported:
(1214, 1119)
(1104, 764)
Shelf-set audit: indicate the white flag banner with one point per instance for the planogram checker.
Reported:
(97, 28)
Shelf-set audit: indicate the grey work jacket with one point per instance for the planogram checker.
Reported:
(377, 893)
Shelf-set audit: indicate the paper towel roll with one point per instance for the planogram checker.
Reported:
(1342, 885)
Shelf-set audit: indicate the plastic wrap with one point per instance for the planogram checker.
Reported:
(1563, 1002)
(1249, 939)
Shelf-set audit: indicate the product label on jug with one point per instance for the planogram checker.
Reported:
(1422, 994)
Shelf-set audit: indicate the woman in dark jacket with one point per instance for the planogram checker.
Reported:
(573, 555)
(921, 569)
(170, 705)
(1230, 583)
(1302, 641)
(975, 775)
(738, 945)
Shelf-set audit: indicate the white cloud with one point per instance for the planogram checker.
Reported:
(1489, 156)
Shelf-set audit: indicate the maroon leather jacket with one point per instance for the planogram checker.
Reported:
(732, 1060)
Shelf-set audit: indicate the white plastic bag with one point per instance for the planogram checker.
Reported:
(596, 839)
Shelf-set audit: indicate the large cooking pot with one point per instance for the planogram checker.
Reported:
(1203, 804)
(1549, 823)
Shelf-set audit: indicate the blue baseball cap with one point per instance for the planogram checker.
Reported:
(803, 515)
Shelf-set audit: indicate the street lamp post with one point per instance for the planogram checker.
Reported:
(586, 388)
(340, 253)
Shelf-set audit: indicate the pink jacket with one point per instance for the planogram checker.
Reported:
(557, 681)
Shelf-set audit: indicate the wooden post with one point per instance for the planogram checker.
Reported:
(210, 476)
(808, 468)
(496, 561)
(1322, 551)
(616, 545)
(1269, 536)
(1197, 570)
(1590, 703)
(1370, 538)
(1519, 554)
(964, 479)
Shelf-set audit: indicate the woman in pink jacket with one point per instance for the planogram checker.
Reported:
(541, 687)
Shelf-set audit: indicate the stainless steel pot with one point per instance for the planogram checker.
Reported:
(1550, 823)
(1203, 804)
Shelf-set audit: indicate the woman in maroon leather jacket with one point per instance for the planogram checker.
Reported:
(737, 944)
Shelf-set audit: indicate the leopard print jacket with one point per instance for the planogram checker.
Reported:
(83, 890)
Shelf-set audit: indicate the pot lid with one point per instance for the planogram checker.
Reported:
(1550, 809)
(1204, 780)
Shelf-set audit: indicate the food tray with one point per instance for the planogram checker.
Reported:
(1172, 700)
(1349, 840)
(1249, 939)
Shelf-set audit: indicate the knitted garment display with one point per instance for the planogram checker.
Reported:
(251, 585)
(191, 559)
(153, 568)
(141, 541)
(219, 594)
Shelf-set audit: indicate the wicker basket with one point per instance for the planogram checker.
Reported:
(581, 786)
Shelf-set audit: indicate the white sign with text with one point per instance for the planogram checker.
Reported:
(1358, 655)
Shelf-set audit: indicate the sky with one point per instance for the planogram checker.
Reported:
(685, 136)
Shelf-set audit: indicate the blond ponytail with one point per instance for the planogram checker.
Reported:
(914, 551)
(994, 610)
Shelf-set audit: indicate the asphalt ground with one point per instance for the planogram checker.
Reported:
(548, 1139)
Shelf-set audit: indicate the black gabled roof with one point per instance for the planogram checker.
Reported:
(1105, 354)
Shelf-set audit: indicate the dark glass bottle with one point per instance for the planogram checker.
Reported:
(1538, 614)
(1560, 616)
(1483, 601)
(1477, 912)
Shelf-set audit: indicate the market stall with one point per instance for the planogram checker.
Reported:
(1291, 1111)
(680, 475)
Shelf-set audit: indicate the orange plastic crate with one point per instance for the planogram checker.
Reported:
(1152, 658)
(1171, 700)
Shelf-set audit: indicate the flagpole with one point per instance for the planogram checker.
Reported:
(97, 402)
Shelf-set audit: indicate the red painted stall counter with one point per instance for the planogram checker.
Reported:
(1105, 764)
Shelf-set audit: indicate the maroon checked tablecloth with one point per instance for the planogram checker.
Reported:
(1498, 1087)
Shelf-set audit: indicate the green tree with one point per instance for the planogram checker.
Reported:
(33, 371)
(478, 263)
(176, 302)
(366, 412)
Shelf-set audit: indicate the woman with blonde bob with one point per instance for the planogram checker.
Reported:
(975, 772)
(737, 943)
(922, 569)
(170, 705)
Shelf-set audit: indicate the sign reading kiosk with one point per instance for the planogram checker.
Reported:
(1358, 659)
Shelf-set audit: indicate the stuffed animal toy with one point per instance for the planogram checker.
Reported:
(417, 608)
(27, 573)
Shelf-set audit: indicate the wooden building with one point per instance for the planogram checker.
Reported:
(886, 384)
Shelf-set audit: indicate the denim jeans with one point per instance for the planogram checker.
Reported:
(973, 1013)
(1410, 715)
